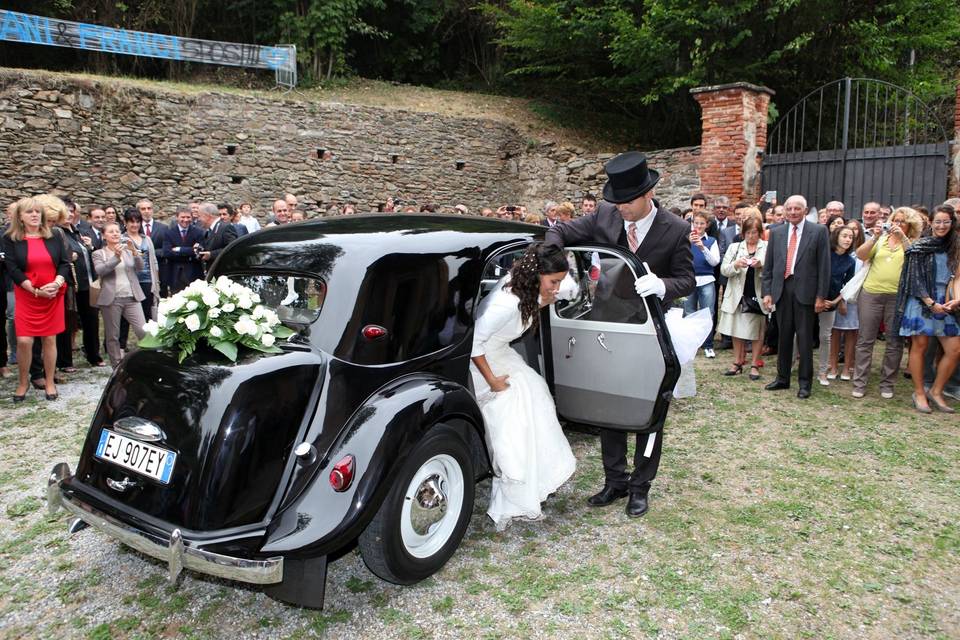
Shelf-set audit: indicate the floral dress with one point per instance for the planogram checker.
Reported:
(918, 320)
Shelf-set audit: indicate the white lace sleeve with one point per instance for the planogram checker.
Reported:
(493, 318)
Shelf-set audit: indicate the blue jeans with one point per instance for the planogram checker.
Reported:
(702, 298)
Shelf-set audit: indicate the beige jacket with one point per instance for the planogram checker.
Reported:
(105, 263)
(736, 277)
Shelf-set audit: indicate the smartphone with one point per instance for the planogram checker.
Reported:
(770, 196)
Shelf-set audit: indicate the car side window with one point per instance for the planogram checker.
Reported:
(604, 290)
(497, 267)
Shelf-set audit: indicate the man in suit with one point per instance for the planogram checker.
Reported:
(630, 218)
(796, 278)
(93, 231)
(550, 219)
(219, 233)
(156, 231)
(178, 249)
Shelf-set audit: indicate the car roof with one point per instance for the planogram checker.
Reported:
(313, 246)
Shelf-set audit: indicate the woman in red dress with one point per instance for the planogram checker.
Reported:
(38, 265)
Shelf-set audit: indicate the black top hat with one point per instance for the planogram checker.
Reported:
(628, 177)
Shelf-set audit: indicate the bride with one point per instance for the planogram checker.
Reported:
(531, 456)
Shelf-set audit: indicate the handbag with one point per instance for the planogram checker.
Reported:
(94, 292)
(851, 290)
(750, 305)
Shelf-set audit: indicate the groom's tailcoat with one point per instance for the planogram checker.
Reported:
(666, 250)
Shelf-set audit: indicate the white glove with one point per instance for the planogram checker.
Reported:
(650, 284)
(568, 288)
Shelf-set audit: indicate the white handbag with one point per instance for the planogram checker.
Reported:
(851, 290)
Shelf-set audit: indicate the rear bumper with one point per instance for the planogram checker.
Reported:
(175, 551)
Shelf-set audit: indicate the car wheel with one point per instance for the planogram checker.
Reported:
(424, 516)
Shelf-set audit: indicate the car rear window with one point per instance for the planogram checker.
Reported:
(296, 299)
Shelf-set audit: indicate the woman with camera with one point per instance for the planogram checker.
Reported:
(117, 264)
(706, 256)
(878, 298)
(926, 306)
(740, 313)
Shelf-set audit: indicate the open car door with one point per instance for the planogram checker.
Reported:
(607, 352)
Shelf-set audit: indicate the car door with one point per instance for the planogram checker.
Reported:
(608, 352)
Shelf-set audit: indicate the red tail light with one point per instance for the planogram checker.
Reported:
(373, 332)
(341, 476)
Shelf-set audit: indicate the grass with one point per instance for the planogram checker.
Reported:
(771, 518)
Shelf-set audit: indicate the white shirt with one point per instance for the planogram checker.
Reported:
(712, 255)
(251, 223)
(793, 264)
(643, 226)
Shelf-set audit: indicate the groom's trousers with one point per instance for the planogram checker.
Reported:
(646, 459)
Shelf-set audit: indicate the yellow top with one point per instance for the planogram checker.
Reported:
(885, 267)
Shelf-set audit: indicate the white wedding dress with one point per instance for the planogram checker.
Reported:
(531, 455)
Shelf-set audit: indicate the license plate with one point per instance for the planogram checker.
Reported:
(141, 457)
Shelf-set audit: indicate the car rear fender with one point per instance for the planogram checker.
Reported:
(380, 436)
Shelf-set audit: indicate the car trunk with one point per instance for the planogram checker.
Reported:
(232, 426)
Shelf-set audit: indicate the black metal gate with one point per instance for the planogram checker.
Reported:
(858, 140)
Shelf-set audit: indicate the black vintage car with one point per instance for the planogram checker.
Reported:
(365, 428)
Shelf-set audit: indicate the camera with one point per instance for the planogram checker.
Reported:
(885, 226)
(510, 208)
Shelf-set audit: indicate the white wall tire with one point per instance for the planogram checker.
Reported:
(424, 516)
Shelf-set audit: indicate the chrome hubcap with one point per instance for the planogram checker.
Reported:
(429, 505)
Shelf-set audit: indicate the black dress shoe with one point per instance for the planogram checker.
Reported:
(803, 394)
(637, 505)
(776, 385)
(607, 495)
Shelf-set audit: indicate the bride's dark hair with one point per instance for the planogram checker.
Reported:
(525, 274)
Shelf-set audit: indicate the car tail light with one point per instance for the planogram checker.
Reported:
(373, 332)
(341, 476)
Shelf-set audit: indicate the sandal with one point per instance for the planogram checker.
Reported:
(737, 369)
(755, 370)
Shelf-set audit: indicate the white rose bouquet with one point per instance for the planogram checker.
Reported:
(224, 313)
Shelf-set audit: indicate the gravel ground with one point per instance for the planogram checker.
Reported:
(816, 524)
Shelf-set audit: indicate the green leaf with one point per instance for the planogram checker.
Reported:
(228, 349)
(150, 342)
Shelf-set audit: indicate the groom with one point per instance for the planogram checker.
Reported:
(630, 218)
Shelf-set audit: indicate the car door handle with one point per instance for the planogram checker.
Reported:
(602, 339)
(571, 343)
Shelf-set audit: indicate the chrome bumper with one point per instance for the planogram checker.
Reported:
(174, 550)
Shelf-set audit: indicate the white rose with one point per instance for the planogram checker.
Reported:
(210, 298)
(174, 303)
(213, 313)
(216, 332)
(258, 312)
(161, 319)
(227, 308)
(192, 305)
(272, 318)
(264, 326)
(245, 325)
(255, 297)
(268, 339)
(244, 301)
(151, 327)
(193, 322)
(163, 307)
(223, 283)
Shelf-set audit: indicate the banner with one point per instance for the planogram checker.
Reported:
(30, 29)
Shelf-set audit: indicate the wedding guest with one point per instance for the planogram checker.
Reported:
(86, 315)
(148, 277)
(117, 264)
(846, 321)
(925, 308)
(878, 297)
(842, 268)
(38, 265)
(835, 222)
(706, 256)
(743, 266)
(565, 212)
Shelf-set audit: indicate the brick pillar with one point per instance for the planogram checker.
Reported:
(953, 183)
(734, 120)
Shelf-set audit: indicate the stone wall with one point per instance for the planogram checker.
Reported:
(113, 141)
(953, 189)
